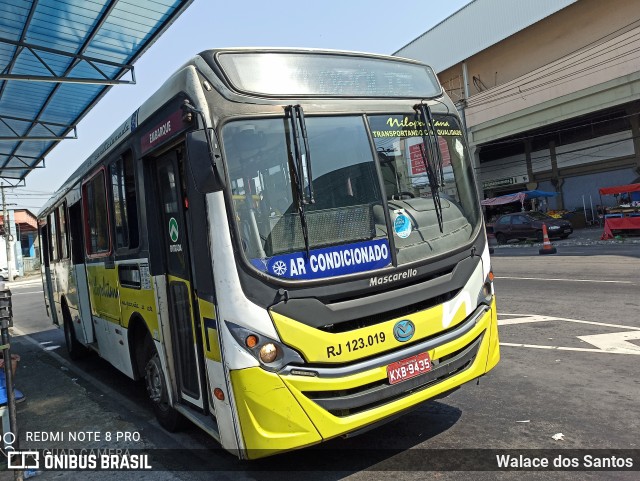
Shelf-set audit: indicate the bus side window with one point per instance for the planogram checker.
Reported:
(96, 212)
(62, 231)
(125, 206)
(53, 237)
(75, 233)
(44, 248)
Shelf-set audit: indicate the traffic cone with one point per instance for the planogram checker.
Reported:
(547, 247)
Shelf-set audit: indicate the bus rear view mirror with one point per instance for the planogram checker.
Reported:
(205, 176)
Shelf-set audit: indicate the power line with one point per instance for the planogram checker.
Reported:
(580, 51)
(555, 67)
(41, 196)
(557, 131)
(544, 158)
(514, 88)
(28, 191)
(549, 85)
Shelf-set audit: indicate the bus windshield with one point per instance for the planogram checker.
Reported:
(337, 224)
(403, 159)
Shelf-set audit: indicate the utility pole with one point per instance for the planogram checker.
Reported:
(7, 235)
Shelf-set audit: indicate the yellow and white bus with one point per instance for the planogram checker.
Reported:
(285, 244)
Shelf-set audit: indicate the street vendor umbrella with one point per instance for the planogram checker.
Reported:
(534, 194)
(619, 189)
(519, 197)
(504, 199)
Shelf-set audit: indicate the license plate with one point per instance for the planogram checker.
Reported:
(408, 368)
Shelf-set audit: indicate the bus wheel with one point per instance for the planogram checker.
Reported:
(169, 418)
(74, 348)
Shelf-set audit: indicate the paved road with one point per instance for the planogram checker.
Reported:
(612, 250)
(571, 344)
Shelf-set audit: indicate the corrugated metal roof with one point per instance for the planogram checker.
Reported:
(57, 59)
(475, 27)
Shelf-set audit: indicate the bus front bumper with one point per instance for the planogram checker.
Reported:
(285, 411)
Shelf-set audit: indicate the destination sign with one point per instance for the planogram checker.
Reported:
(162, 131)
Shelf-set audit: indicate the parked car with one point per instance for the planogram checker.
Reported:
(4, 273)
(528, 225)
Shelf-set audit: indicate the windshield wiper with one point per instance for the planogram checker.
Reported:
(299, 169)
(307, 155)
(430, 144)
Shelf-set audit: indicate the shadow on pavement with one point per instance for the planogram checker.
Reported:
(59, 401)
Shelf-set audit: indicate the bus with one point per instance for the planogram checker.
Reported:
(284, 245)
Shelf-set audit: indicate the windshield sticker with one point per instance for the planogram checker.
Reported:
(406, 127)
(417, 164)
(401, 224)
(173, 230)
(329, 261)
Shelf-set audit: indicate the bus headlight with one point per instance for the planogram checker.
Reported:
(268, 352)
(272, 355)
(485, 296)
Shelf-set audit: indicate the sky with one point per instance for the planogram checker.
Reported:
(374, 26)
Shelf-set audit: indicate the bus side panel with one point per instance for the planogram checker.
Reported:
(139, 297)
(104, 297)
(103, 291)
(113, 344)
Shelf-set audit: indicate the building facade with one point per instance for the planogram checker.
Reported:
(23, 241)
(549, 90)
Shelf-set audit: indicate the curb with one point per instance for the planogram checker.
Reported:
(25, 281)
(576, 243)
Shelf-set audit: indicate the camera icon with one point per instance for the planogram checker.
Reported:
(23, 460)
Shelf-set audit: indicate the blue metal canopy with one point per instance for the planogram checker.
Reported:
(57, 59)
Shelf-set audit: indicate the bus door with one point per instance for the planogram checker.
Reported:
(79, 270)
(46, 280)
(186, 341)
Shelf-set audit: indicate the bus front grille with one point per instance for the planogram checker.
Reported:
(352, 401)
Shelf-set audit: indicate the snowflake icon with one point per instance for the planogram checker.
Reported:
(279, 268)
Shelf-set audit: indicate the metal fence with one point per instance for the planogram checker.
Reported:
(31, 264)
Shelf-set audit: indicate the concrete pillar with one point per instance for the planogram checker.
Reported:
(527, 158)
(556, 180)
(474, 155)
(532, 184)
(635, 133)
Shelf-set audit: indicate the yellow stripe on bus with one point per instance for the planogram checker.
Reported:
(325, 347)
(209, 332)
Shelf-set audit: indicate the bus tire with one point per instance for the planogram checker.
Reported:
(74, 348)
(156, 385)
